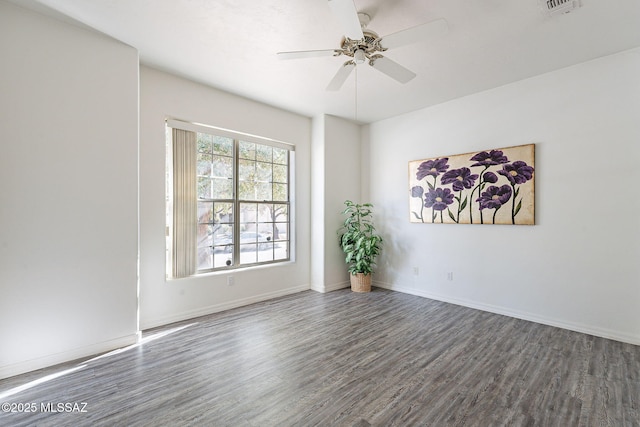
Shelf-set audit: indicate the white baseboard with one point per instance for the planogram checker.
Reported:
(317, 288)
(505, 311)
(66, 356)
(329, 288)
(203, 311)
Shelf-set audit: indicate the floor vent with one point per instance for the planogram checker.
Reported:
(555, 7)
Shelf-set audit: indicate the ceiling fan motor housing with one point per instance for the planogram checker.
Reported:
(370, 45)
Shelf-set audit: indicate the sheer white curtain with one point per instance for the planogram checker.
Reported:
(184, 204)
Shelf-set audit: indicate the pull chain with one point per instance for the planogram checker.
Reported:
(356, 96)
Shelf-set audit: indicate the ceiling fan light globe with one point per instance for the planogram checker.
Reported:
(359, 56)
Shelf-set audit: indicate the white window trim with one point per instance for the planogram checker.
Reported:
(197, 127)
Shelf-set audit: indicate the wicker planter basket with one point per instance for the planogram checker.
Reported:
(361, 282)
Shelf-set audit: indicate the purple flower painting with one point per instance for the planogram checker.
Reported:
(466, 188)
(517, 173)
(494, 197)
(438, 199)
(459, 178)
(432, 168)
(489, 158)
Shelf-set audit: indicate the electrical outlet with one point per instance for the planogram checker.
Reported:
(450, 276)
(416, 271)
(230, 281)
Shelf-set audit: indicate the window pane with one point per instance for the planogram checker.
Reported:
(222, 166)
(280, 213)
(280, 192)
(247, 150)
(205, 258)
(223, 213)
(248, 254)
(265, 232)
(280, 232)
(223, 244)
(224, 258)
(280, 156)
(281, 250)
(222, 235)
(247, 170)
(204, 234)
(204, 142)
(248, 214)
(205, 212)
(247, 190)
(263, 172)
(221, 188)
(246, 178)
(204, 188)
(263, 191)
(204, 164)
(263, 153)
(265, 252)
(280, 173)
(223, 145)
(265, 213)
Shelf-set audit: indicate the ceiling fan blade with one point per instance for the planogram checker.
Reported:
(415, 34)
(347, 14)
(307, 54)
(392, 69)
(341, 76)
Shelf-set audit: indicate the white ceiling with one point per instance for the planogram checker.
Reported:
(232, 45)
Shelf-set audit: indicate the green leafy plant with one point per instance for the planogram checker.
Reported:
(358, 238)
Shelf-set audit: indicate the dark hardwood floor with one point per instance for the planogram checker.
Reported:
(343, 359)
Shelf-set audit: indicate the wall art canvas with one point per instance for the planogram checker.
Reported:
(485, 187)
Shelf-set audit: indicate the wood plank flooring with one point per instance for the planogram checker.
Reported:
(345, 359)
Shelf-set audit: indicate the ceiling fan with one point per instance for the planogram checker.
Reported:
(362, 44)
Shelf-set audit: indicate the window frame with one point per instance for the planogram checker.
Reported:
(238, 261)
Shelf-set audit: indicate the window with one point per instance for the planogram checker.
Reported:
(228, 202)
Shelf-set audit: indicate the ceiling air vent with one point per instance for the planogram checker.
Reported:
(555, 7)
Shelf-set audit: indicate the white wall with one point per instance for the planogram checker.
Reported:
(336, 178)
(318, 172)
(163, 95)
(578, 266)
(68, 180)
(342, 182)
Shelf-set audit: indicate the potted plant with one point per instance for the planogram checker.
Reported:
(360, 243)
